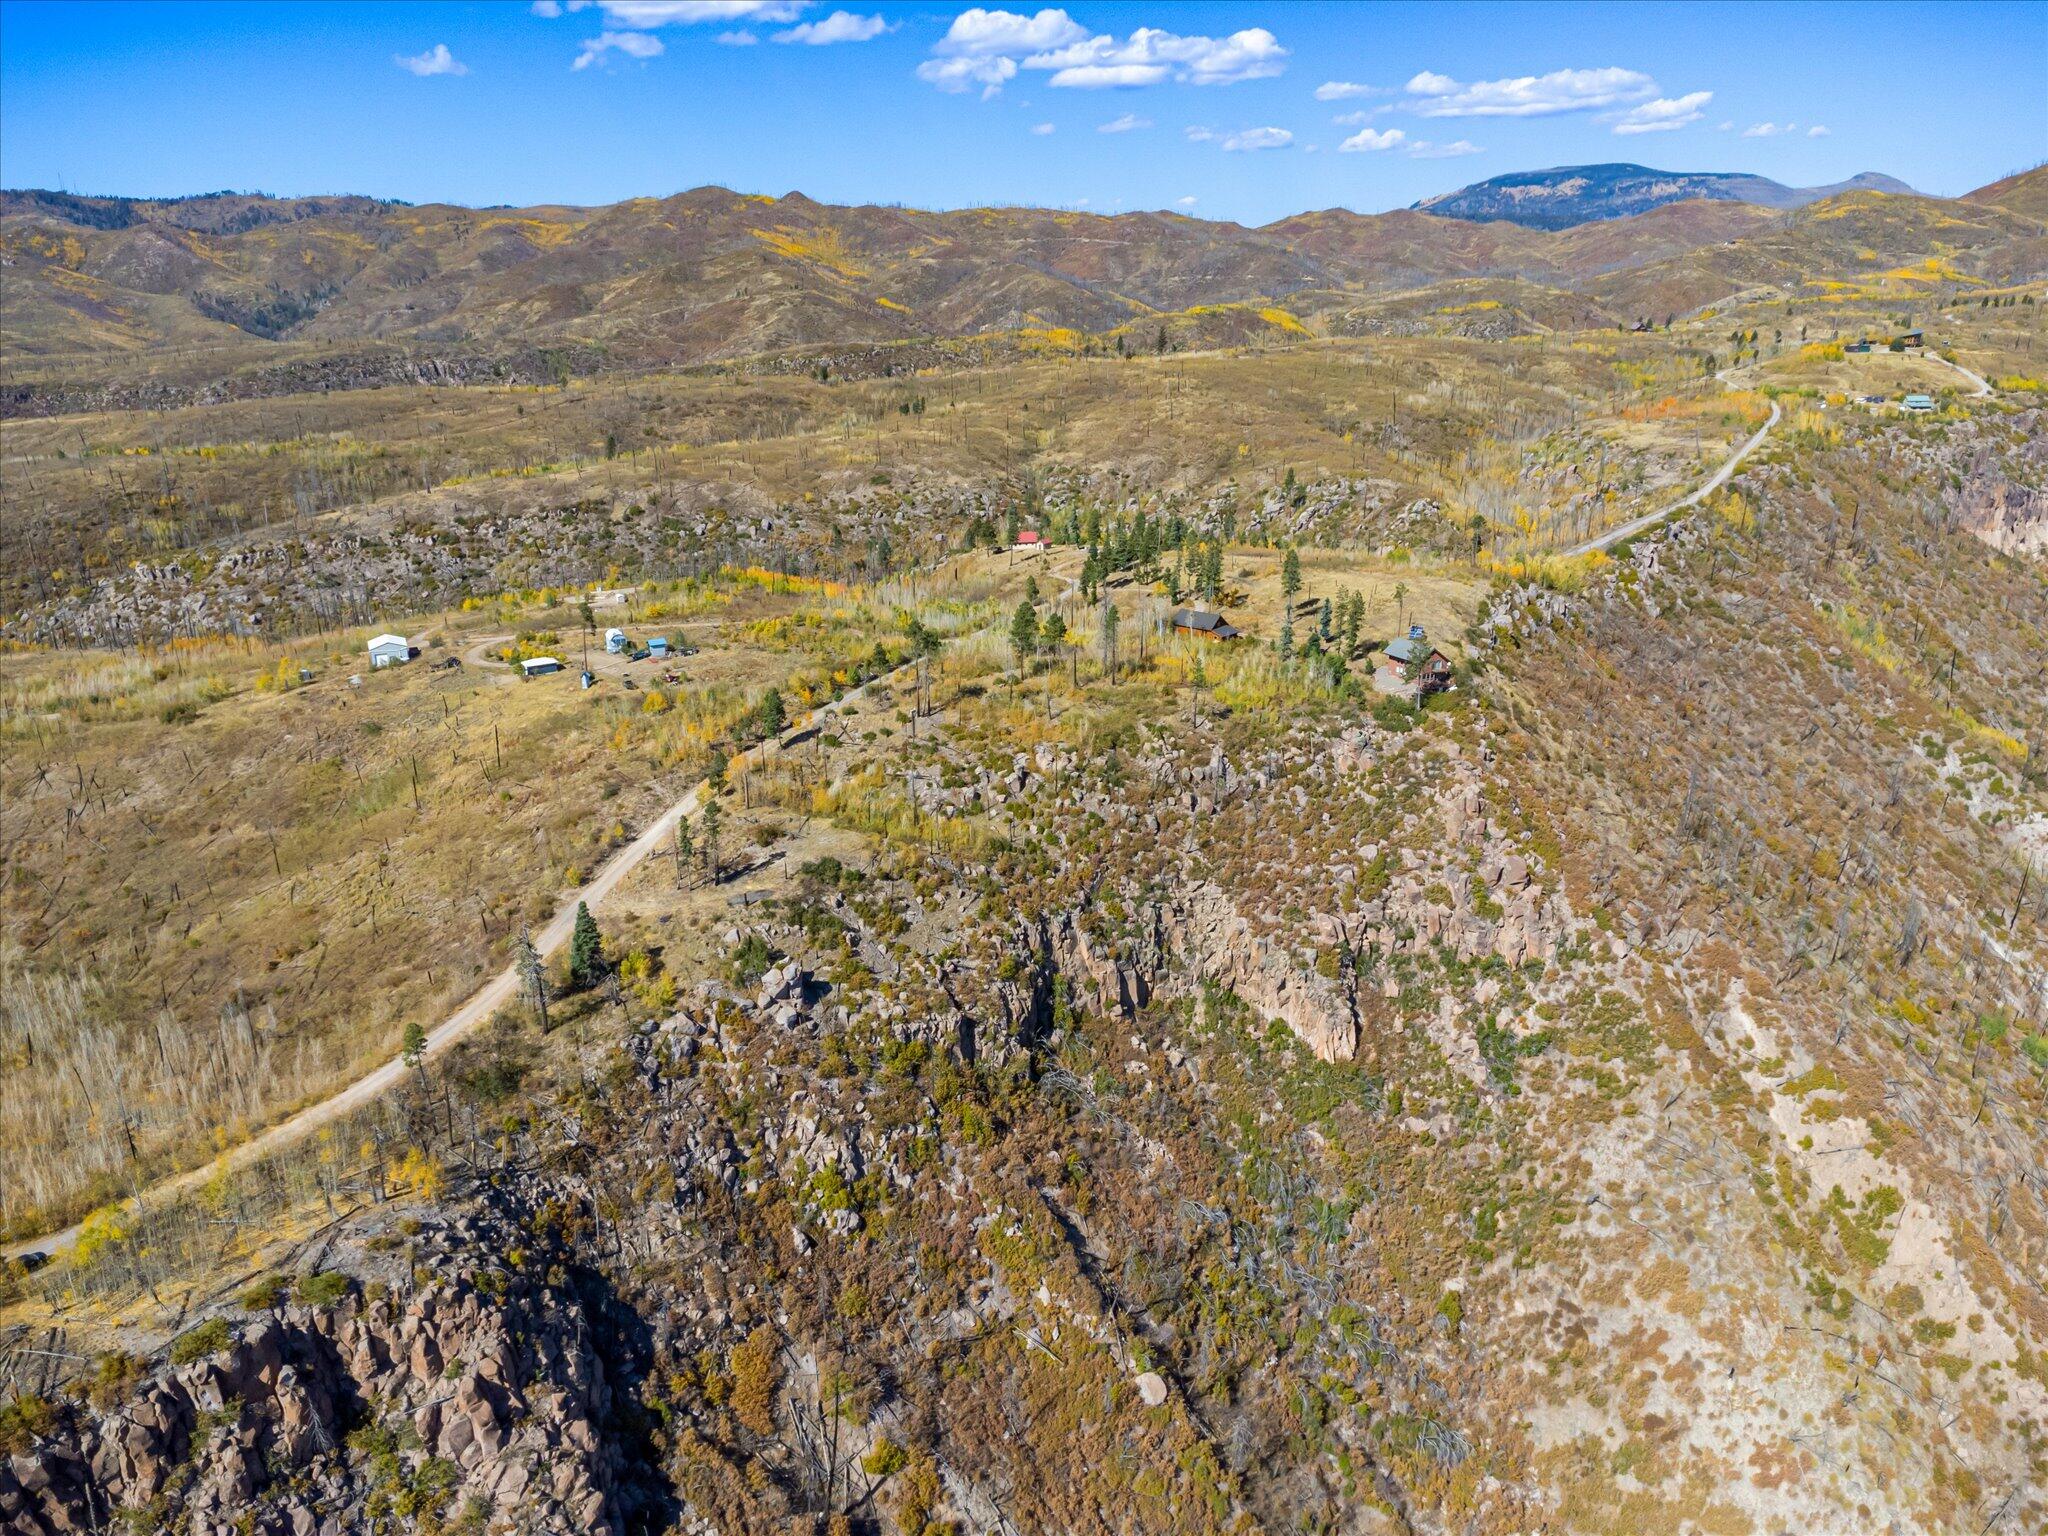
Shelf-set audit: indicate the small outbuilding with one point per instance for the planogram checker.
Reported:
(1917, 403)
(539, 666)
(658, 646)
(389, 651)
(615, 640)
(1029, 538)
(1206, 626)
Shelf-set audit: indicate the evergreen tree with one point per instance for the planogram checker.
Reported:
(709, 841)
(1290, 575)
(1024, 634)
(413, 1048)
(773, 715)
(1323, 618)
(1109, 623)
(1354, 621)
(683, 848)
(586, 949)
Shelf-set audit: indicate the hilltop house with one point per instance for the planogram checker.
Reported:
(1411, 665)
(1028, 538)
(539, 666)
(389, 651)
(1207, 626)
(1917, 403)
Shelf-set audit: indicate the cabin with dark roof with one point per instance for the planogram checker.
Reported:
(1412, 664)
(1209, 626)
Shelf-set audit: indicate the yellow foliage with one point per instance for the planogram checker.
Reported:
(656, 703)
(103, 1229)
(419, 1172)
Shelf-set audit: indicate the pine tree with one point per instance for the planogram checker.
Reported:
(1108, 624)
(683, 849)
(709, 844)
(586, 949)
(1290, 576)
(413, 1048)
(773, 715)
(1323, 618)
(1024, 634)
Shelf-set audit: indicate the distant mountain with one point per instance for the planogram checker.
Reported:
(1582, 194)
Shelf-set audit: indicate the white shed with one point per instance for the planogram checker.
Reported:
(615, 640)
(539, 666)
(389, 651)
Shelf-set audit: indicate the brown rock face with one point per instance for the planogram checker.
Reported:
(282, 1422)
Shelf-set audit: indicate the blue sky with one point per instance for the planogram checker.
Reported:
(1224, 110)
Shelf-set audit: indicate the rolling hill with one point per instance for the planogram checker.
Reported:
(212, 285)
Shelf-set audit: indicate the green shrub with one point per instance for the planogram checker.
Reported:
(209, 1338)
(324, 1289)
(263, 1295)
(25, 1420)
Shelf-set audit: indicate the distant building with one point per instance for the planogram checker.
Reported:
(1910, 339)
(1857, 346)
(658, 646)
(389, 651)
(1028, 538)
(1917, 403)
(1209, 626)
(1412, 664)
(539, 666)
(615, 640)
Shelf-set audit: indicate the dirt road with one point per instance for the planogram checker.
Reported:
(487, 1000)
(1714, 482)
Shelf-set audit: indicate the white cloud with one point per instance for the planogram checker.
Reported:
(437, 60)
(1767, 130)
(978, 31)
(1244, 139)
(988, 47)
(547, 9)
(1422, 149)
(1663, 114)
(635, 45)
(1563, 90)
(1341, 90)
(1722, 127)
(965, 73)
(839, 27)
(662, 13)
(1369, 139)
(739, 37)
(1128, 123)
(1041, 129)
(1150, 55)
(1363, 115)
(1186, 202)
(1817, 131)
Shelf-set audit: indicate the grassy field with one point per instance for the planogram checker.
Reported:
(229, 889)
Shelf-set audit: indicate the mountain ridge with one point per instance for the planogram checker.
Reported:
(1561, 197)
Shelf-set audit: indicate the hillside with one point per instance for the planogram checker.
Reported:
(253, 293)
(1170, 1082)
(1579, 194)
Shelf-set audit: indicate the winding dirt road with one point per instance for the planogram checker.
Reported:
(484, 1002)
(1714, 482)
